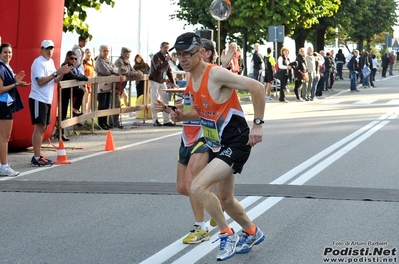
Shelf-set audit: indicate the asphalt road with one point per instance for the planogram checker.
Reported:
(322, 185)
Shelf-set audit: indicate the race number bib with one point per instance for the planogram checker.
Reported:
(211, 134)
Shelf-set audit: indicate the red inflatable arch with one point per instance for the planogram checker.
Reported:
(24, 24)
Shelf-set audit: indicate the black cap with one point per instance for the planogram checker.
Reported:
(187, 41)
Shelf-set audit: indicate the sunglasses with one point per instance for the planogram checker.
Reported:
(73, 58)
(49, 48)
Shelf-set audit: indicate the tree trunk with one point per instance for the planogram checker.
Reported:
(320, 33)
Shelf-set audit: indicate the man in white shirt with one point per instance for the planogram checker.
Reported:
(43, 76)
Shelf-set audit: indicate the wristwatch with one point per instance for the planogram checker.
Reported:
(54, 74)
(258, 121)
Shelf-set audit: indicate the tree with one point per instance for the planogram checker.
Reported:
(249, 20)
(75, 15)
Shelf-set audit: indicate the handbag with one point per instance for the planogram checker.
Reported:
(104, 87)
(366, 71)
(304, 76)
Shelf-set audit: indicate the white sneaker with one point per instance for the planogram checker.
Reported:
(227, 247)
(268, 98)
(8, 172)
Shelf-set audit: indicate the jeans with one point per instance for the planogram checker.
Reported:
(366, 81)
(353, 80)
(314, 86)
(326, 80)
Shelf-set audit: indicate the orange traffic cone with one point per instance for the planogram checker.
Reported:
(109, 143)
(61, 155)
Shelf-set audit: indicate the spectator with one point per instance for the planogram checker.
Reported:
(43, 76)
(300, 75)
(10, 102)
(77, 91)
(374, 69)
(241, 66)
(366, 64)
(384, 64)
(333, 70)
(104, 67)
(319, 63)
(257, 63)
(270, 70)
(322, 69)
(340, 60)
(159, 70)
(90, 72)
(391, 62)
(327, 73)
(284, 69)
(311, 68)
(125, 69)
(178, 74)
(80, 54)
(140, 65)
(353, 68)
(231, 59)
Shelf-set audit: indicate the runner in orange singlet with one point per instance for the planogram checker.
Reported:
(215, 101)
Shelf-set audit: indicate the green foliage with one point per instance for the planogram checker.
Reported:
(358, 21)
(75, 15)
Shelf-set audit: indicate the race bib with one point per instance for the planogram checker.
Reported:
(211, 134)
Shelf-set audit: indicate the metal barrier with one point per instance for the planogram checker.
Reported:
(94, 112)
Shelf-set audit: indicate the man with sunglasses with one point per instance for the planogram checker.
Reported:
(43, 76)
(214, 100)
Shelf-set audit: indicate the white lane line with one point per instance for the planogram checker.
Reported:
(178, 246)
(334, 157)
(89, 156)
(301, 167)
(332, 102)
(203, 249)
(363, 102)
(393, 102)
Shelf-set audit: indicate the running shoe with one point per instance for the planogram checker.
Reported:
(197, 235)
(227, 248)
(8, 172)
(246, 241)
(41, 162)
(212, 222)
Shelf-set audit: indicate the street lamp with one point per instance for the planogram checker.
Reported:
(220, 10)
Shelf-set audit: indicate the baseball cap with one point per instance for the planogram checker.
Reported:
(187, 41)
(47, 43)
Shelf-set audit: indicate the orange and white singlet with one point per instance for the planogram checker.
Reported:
(192, 131)
(220, 123)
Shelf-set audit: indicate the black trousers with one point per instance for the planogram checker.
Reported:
(103, 100)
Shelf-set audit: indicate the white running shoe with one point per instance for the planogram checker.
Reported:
(227, 247)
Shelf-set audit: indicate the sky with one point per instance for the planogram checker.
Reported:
(119, 27)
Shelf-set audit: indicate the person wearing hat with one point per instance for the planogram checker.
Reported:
(214, 100)
(158, 71)
(43, 76)
(125, 69)
(270, 70)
